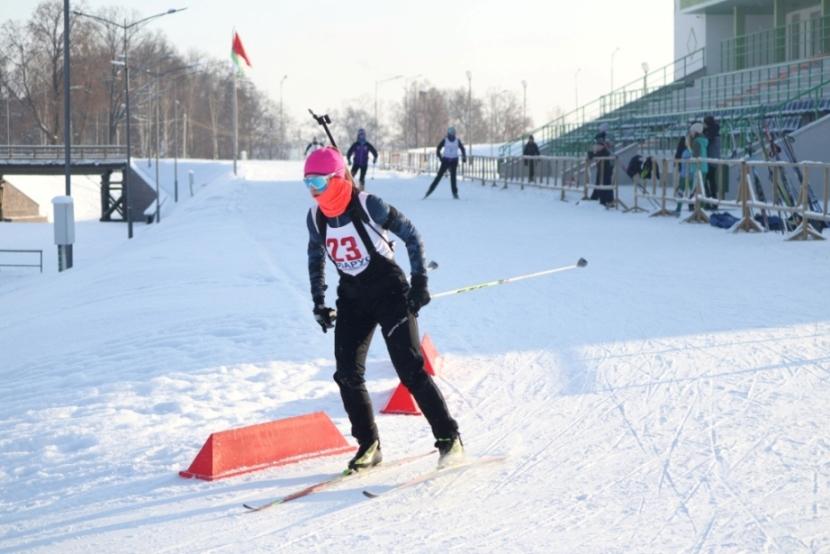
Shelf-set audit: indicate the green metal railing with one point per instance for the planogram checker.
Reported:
(797, 41)
(762, 85)
(744, 127)
(655, 89)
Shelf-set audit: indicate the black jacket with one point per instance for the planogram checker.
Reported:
(531, 149)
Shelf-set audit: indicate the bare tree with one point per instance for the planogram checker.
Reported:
(31, 76)
(505, 116)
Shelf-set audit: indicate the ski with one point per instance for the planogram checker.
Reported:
(435, 473)
(335, 480)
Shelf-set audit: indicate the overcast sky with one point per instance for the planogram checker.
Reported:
(334, 51)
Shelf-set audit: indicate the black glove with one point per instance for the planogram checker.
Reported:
(464, 160)
(374, 161)
(418, 295)
(441, 159)
(324, 315)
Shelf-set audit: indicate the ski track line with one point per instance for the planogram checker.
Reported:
(719, 467)
(572, 519)
(728, 342)
(675, 439)
(767, 537)
(705, 534)
(682, 498)
(717, 459)
(531, 461)
(654, 452)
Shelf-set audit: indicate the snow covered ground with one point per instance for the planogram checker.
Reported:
(670, 397)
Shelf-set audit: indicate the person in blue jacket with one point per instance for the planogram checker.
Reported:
(448, 151)
(360, 150)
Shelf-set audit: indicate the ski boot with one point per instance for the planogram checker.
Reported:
(450, 451)
(368, 455)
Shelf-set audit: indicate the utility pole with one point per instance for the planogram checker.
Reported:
(175, 150)
(282, 121)
(614, 53)
(524, 104)
(67, 107)
(126, 27)
(158, 195)
(468, 138)
(377, 84)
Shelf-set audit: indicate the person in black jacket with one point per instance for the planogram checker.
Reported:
(313, 145)
(361, 150)
(351, 228)
(605, 168)
(711, 130)
(530, 149)
(451, 146)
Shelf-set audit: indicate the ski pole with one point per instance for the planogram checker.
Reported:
(582, 262)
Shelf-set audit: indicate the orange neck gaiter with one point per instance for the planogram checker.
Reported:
(335, 199)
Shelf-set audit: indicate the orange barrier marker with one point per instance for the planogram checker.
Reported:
(280, 442)
(401, 401)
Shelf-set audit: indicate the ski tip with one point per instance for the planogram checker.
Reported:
(249, 507)
(582, 262)
(370, 494)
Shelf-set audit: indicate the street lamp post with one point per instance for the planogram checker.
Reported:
(614, 53)
(158, 75)
(126, 27)
(377, 84)
(468, 138)
(524, 104)
(282, 120)
(158, 121)
(67, 111)
(175, 151)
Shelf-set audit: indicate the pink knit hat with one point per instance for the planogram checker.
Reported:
(325, 161)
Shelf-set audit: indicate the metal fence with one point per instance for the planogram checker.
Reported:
(797, 41)
(769, 195)
(38, 252)
(56, 152)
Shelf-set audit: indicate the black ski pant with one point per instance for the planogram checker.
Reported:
(711, 183)
(452, 165)
(357, 318)
(362, 169)
(530, 169)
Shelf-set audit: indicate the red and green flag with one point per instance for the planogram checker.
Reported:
(238, 52)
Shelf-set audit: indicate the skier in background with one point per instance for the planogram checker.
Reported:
(314, 145)
(361, 149)
(350, 228)
(451, 146)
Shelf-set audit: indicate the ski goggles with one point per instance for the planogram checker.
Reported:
(318, 183)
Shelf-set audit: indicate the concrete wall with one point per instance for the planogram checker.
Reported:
(689, 32)
(15, 205)
(811, 145)
(757, 23)
(142, 194)
(718, 29)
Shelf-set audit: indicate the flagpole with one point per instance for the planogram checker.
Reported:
(235, 115)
